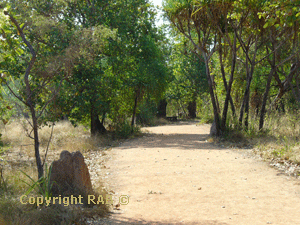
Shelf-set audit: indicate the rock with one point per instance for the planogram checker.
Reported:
(70, 176)
(82, 180)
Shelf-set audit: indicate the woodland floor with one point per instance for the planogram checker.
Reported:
(172, 175)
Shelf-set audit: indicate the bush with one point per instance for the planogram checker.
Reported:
(147, 113)
(125, 130)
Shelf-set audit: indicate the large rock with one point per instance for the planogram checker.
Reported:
(70, 175)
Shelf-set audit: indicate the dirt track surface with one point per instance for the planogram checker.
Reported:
(173, 176)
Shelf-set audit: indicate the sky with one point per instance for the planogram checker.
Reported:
(158, 2)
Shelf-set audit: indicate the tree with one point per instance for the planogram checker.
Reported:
(137, 56)
(192, 19)
(41, 52)
(240, 33)
(189, 80)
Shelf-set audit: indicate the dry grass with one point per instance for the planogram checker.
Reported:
(281, 140)
(65, 137)
(64, 134)
(278, 142)
(19, 155)
(159, 121)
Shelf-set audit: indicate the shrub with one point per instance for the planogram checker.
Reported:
(125, 130)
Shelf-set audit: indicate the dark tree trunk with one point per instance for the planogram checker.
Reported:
(162, 108)
(36, 142)
(228, 88)
(29, 102)
(192, 107)
(96, 126)
(247, 108)
(216, 124)
(245, 96)
(245, 104)
(64, 117)
(265, 98)
(134, 109)
(272, 72)
(250, 71)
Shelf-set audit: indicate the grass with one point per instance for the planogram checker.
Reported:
(17, 154)
(282, 139)
(279, 141)
(65, 137)
(158, 122)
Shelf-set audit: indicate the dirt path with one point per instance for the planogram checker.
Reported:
(173, 176)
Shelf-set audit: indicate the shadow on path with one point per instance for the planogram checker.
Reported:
(180, 141)
(126, 221)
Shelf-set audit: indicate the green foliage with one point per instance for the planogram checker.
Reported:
(43, 184)
(131, 63)
(189, 75)
(266, 33)
(206, 112)
(125, 130)
(147, 112)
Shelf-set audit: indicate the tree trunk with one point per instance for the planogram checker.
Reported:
(228, 88)
(245, 104)
(247, 107)
(96, 126)
(29, 102)
(213, 99)
(265, 98)
(192, 107)
(134, 108)
(273, 70)
(162, 109)
(36, 142)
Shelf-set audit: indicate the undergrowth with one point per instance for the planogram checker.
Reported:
(279, 139)
(18, 167)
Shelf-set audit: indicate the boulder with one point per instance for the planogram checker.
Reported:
(70, 175)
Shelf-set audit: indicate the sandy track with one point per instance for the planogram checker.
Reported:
(173, 176)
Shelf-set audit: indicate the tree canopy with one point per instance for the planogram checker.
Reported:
(103, 63)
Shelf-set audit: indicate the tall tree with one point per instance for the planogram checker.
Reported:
(192, 19)
(46, 53)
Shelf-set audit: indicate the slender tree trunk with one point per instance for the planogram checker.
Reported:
(36, 142)
(245, 95)
(30, 104)
(215, 93)
(247, 108)
(213, 98)
(271, 74)
(228, 88)
(245, 105)
(134, 108)
(35, 126)
(134, 112)
(265, 98)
